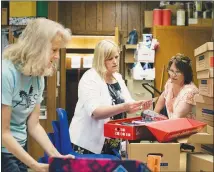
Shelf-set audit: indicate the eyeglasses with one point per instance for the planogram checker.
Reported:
(171, 72)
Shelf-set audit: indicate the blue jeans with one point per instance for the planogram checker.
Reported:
(9, 163)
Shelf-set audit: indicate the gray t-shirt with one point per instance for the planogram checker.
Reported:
(22, 93)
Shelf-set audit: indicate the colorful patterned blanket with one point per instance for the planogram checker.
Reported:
(95, 165)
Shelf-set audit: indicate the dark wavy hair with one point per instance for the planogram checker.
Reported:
(183, 63)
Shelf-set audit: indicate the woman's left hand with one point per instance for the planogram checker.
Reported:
(66, 156)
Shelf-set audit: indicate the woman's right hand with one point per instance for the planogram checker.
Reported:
(40, 167)
(135, 106)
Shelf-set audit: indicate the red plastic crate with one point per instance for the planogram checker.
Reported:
(162, 131)
(113, 129)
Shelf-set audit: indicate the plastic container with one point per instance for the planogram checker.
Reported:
(180, 17)
(167, 17)
(162, 131)
(157, 17)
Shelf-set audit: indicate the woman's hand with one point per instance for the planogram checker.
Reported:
(66, 156)
(146, 104)
(40, 167)
(133, 107)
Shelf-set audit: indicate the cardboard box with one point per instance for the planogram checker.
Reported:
(205, 74)
(209, 130)
(204, 109)
(203, 137)
(206, 87)
(205, 61)
(170, 152)
(208, 148)
(145, 54)
(208, 46)
(197, 140)
(4, 16)
(148, 19)
(199, 162)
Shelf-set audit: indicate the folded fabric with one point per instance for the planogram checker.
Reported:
(95, 165)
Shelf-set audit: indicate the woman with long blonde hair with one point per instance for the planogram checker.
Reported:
(24, 65)
(102, 94)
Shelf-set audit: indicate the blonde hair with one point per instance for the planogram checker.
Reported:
(32, 51)
(102, 52)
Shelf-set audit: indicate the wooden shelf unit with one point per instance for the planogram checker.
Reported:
(131, 46)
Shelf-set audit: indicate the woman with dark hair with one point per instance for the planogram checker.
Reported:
(180, 90)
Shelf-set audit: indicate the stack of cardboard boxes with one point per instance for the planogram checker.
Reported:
(204, 68)
(204, 107)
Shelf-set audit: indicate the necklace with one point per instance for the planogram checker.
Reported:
(110, 79)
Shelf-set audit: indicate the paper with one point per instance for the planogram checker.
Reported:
(87, 61)
(75, 61)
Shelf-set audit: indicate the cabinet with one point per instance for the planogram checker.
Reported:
(82, 46)
(177, 39)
